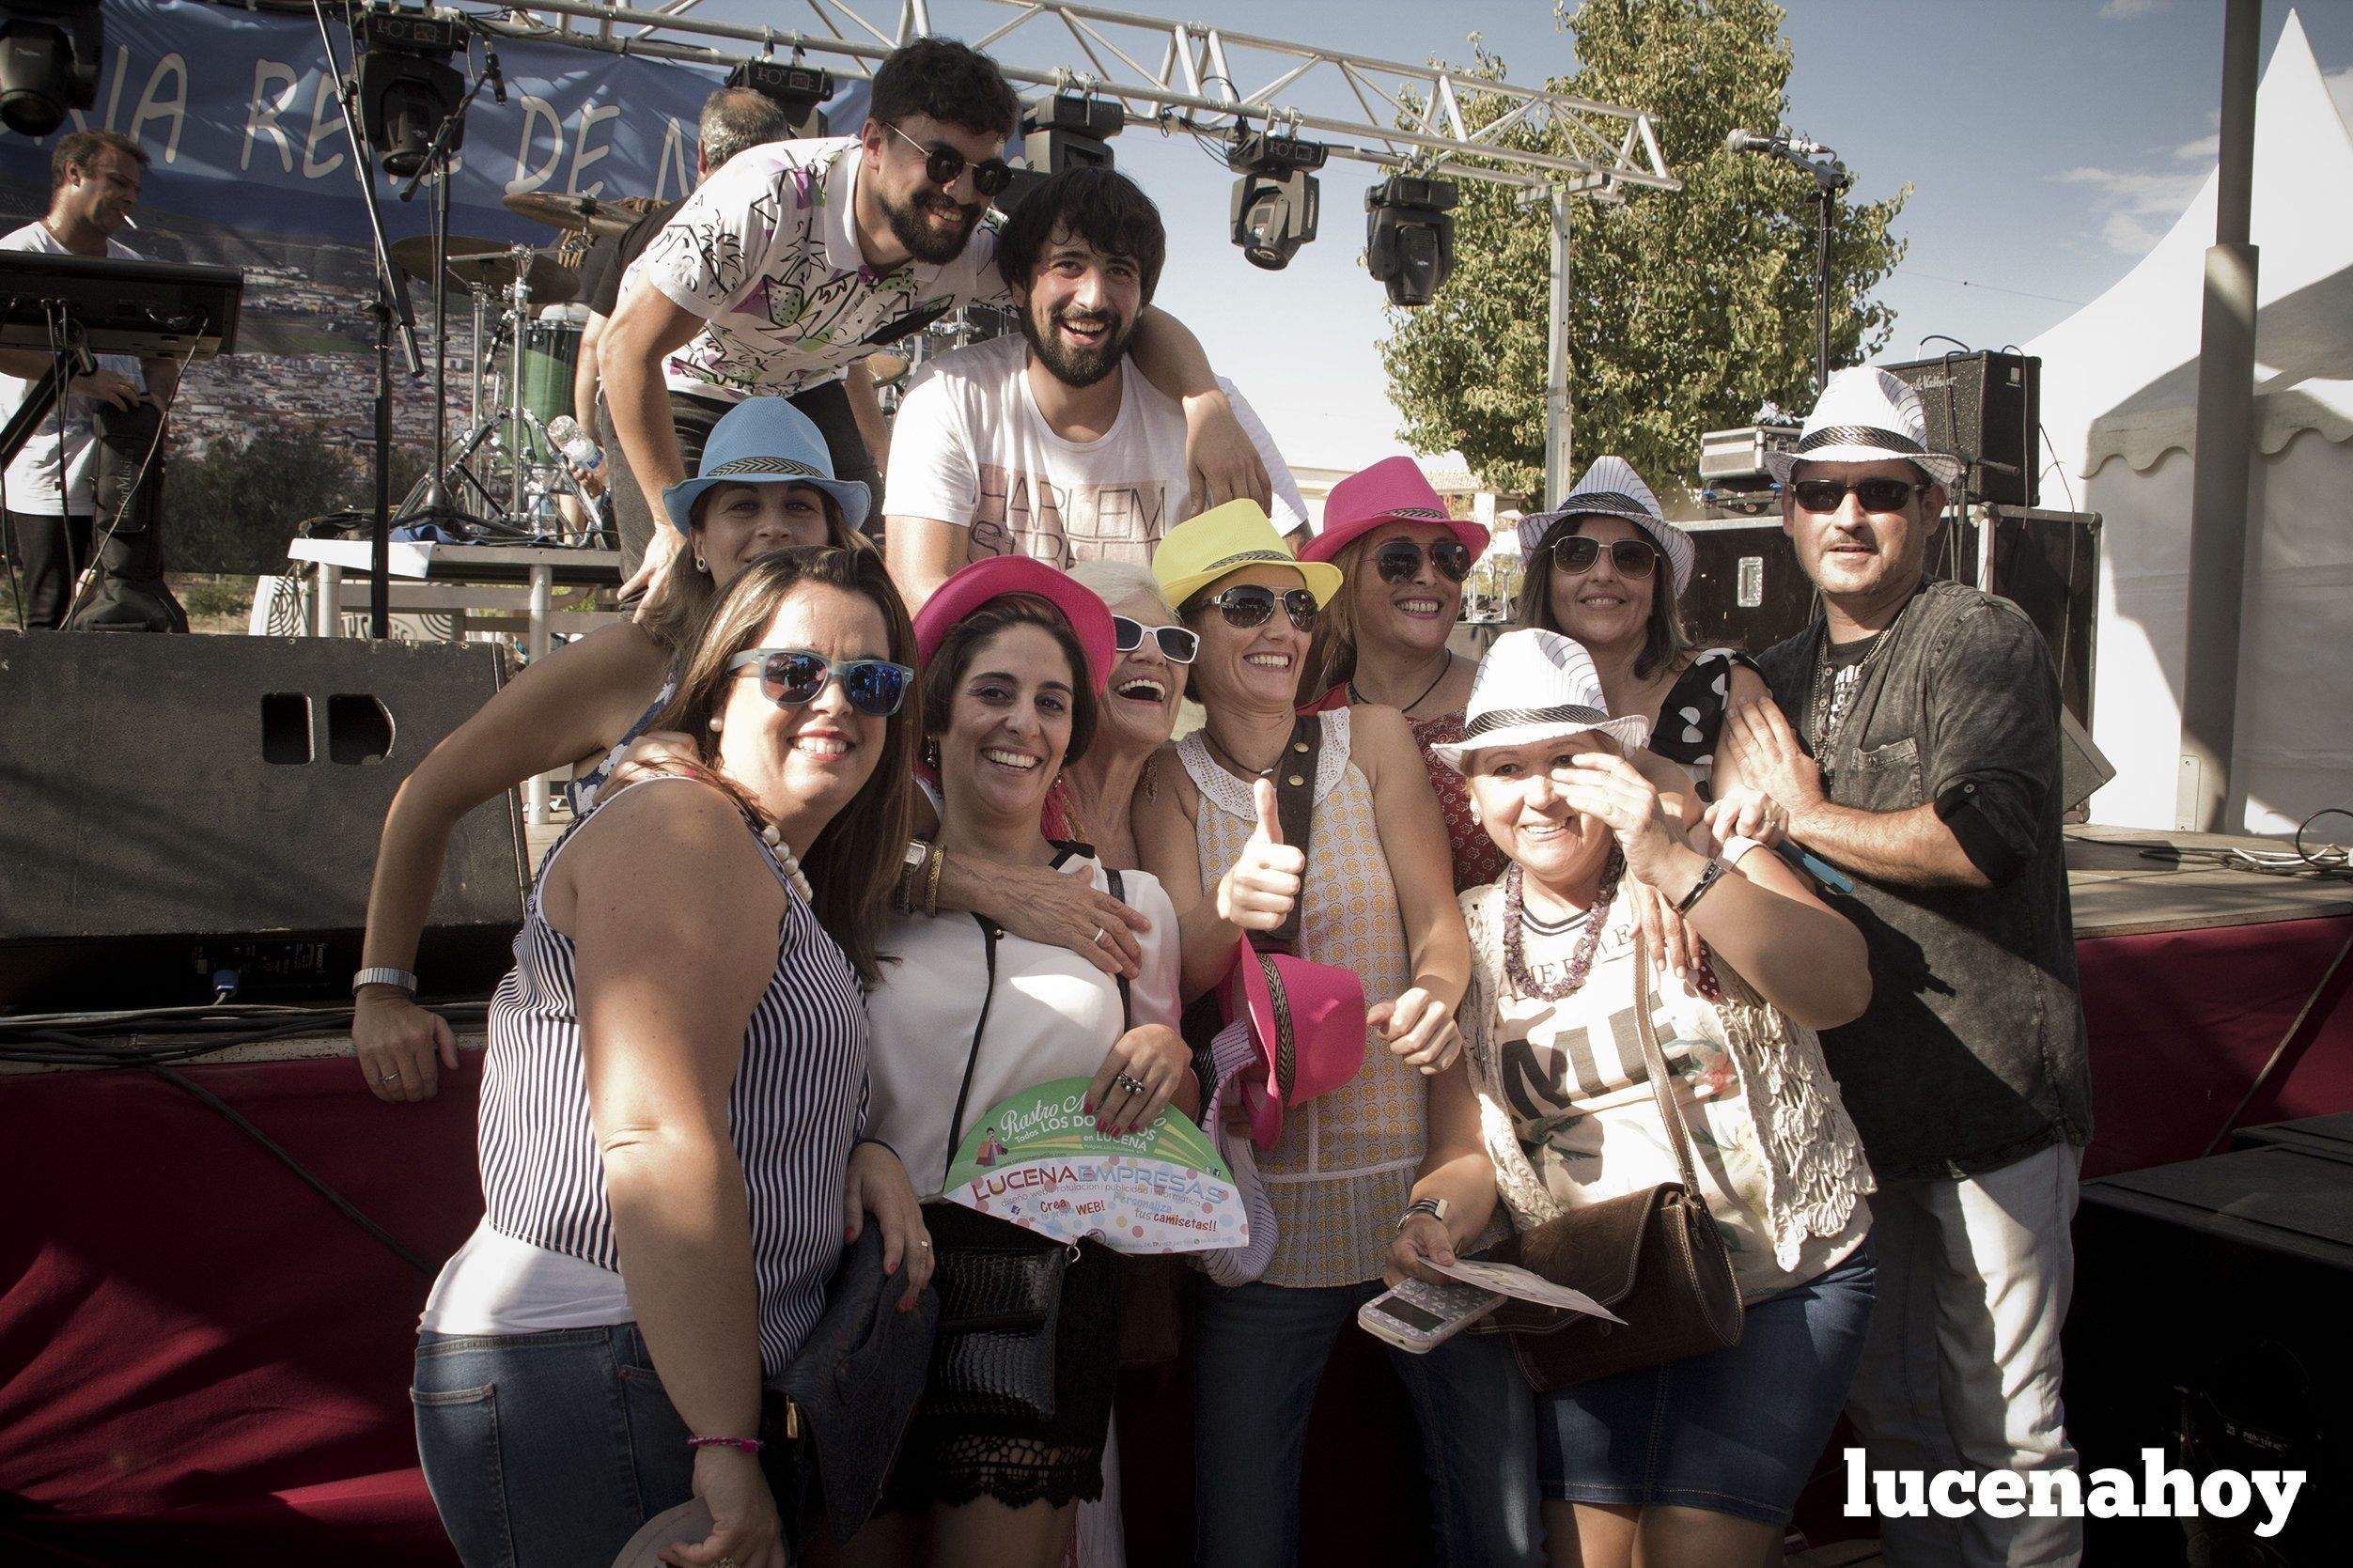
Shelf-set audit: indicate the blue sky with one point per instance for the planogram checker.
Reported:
(2049, 142)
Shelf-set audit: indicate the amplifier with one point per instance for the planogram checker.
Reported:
(1987, 409)
(180, 805)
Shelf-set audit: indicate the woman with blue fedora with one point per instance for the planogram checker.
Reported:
(766, 482)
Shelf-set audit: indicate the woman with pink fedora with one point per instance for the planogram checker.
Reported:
(1367, 1172)
(1014, 656)
(1383, 637)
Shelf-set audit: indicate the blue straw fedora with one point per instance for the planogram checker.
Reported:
(766, 441)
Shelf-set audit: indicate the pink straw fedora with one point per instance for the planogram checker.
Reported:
(1394, 489)
(1308, 1020)
(999, 575)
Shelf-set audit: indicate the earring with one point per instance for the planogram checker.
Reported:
(714, 724)
(701, 565)
(931, 754)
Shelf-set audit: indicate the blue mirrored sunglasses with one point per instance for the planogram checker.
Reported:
(792, 677)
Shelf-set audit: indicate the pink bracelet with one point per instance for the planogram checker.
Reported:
(742, 1444)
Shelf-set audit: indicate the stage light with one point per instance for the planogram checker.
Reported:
(1276, 199)
(406, 84)
(799, 91)
(1069, 130)
(49, 59)
(1410, 236)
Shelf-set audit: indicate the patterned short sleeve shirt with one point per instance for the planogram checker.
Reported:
(766, 251)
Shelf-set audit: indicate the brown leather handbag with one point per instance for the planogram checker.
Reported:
(1655, 1258)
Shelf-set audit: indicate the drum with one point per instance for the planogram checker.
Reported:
(550, 353)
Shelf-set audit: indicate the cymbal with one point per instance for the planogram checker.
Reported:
(561, 212)
(886, 366)
(488, 265)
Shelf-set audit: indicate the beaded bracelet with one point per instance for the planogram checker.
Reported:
(741, 1445)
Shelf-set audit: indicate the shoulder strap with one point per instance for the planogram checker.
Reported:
(1654, 1059)
(1127, 1006)
(989, 935)
(1295, 809)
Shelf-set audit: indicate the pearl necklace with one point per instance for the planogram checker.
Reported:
(774, 837)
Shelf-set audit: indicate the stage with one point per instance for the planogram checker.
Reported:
(206, 1363)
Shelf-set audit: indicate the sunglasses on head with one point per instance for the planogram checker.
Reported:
(792, 677)
(1632, 558)
(1877, 495)
(1250, 605)
(1401, 560)
(1177, 644)
(942, 164)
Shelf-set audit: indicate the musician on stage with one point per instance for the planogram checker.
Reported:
(94, 179)
(801, 258)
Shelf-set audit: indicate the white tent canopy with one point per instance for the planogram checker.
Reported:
(2119, 410)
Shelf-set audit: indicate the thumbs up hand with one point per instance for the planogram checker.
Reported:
(1264, 881)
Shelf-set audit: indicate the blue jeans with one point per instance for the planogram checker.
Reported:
(1260, 1350)
(546, 1449)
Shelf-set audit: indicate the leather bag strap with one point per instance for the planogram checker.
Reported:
(1295, 810)
(989, 935)
(1655, 1060)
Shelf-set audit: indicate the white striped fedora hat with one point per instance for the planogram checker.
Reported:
(1865, 416)
(1537, 685)
(1612, 488)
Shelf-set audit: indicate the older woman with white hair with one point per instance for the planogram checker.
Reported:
(1138, 709)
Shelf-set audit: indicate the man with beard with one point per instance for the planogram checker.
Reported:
(802, 257)
(1044, 444)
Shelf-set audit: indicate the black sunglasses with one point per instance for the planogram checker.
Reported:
(942, 164)
(1632, 558)
(792, 677)
(1250, 605)
(1877, 495)
(1401, 560)
(1177, 644)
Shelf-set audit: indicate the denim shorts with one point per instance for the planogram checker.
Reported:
(1736, 1431)
(552, 1448)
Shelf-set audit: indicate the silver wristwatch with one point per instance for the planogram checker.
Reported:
(401, 978)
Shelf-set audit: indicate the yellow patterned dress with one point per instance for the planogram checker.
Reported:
(1344, 1169)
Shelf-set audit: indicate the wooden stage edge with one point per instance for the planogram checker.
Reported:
(2130, 881)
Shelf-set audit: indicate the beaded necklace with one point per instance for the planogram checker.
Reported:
(1580, 962)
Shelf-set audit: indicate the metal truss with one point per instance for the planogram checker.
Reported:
(1185, 75)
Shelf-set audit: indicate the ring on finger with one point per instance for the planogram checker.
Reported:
(1132, 1084)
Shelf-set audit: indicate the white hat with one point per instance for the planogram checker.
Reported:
(1865, 416)
(1612, 488)
(1534, 684)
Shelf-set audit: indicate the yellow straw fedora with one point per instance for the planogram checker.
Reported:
(1223, 539)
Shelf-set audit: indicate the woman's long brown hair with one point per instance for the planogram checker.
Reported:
(1331, 652)
(854, 863)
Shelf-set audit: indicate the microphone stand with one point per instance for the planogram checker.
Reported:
(433, 504)
(391, 311)
(1829, 178)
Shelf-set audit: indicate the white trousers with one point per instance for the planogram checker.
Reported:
(1961, 1369)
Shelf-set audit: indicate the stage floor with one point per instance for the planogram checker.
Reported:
(2129, 881)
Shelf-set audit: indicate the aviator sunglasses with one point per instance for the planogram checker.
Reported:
(1877, 495)
(942, 164)
(792, 677)
(1401, 560)
(1632, 558)
(1250, 605)
(1177, 644)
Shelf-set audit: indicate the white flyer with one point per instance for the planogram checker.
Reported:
(1508, 1279)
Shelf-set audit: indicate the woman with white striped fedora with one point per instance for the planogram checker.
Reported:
(674, 1097)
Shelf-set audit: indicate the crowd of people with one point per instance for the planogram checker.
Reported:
(1614, 912)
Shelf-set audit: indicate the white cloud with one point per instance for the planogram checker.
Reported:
(2205, 150)
(2124, 11)
(2134, 206)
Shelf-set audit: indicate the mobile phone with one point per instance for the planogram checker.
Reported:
(1419, 1317)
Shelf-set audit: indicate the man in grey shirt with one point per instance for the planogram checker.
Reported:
(1919, 759)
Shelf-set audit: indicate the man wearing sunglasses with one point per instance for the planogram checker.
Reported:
(1921, 761)
(1045, 444)
(799, 259)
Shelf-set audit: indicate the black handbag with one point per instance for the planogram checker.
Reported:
(1654, 1257)
(851, 1390)
(1000, 1285)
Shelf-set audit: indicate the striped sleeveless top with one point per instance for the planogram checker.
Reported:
(798, 1103)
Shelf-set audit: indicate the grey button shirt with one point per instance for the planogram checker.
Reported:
(1972, 1055)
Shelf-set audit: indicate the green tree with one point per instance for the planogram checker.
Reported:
(1689, 309)
(235, 507)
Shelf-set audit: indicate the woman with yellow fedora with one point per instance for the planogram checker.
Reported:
(1318, 836)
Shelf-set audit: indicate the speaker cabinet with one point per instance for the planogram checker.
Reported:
(1986, 408)
(172, 807)
(1747, 590)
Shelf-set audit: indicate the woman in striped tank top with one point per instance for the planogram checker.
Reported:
(673, 1094)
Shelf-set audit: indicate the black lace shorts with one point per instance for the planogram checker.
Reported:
(1017, 1460)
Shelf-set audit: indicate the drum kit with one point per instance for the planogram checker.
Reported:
(505, 477)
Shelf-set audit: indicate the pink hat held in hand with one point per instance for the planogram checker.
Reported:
(1309, 1022)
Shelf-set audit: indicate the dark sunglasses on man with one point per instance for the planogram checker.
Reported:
(1401, 560)
(1877, 495)
(942, 164)
(1631, 557)
(792, 677)
(1177, 644)
(1248, 605)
